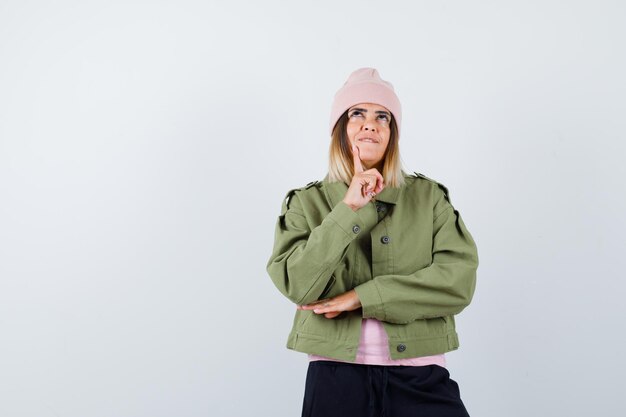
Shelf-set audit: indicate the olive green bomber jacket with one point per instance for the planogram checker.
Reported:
(408, 256)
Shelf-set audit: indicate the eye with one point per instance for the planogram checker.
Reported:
(384, 117)
(356, 113)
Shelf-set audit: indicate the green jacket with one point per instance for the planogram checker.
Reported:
(408, 255)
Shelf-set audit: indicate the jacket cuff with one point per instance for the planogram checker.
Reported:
(371, 301)
(354, 222)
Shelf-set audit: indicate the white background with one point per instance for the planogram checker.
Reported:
(146, 147)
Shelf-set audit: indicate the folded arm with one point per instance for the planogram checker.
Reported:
(443, 288)
(303, 259)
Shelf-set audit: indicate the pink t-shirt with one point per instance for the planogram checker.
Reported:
(374, 349)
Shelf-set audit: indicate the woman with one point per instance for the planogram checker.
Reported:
(378, 263)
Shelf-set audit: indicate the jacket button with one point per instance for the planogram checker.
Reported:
(385, 239)
(401, 347)
(356, 228)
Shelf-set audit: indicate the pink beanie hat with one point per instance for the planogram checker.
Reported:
(365, 86)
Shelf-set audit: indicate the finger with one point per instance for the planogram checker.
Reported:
(332, 315)
(369, 185)
(324, 309)
(312, 304)
(380, 184)
(378, 180)
(356, 157)
(328, 308)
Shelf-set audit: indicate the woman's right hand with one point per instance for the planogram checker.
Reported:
(365, 183)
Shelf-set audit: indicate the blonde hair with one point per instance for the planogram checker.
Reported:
(340, 167)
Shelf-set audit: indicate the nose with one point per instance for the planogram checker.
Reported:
(369, 125)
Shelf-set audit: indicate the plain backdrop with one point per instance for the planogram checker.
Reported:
(146, 147)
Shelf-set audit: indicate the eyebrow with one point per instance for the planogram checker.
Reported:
(365, 111)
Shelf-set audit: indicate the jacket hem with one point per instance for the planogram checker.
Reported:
(398, 348)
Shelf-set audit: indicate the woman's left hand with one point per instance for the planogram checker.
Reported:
(332, 307)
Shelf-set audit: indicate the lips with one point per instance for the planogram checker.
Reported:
(367, 140)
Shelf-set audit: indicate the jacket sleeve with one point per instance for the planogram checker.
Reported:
(443, 288)
(304, 258)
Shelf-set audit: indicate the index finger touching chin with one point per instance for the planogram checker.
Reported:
(356, 159)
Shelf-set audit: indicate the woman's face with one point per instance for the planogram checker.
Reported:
(369, 129)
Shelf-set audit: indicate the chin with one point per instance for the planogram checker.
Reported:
(369, 159)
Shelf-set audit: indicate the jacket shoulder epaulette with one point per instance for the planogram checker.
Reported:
(311, 184)
(291, 192)
(440, 185)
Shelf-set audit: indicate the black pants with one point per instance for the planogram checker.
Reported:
(356, 390)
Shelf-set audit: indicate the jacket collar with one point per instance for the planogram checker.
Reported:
(335, 191)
